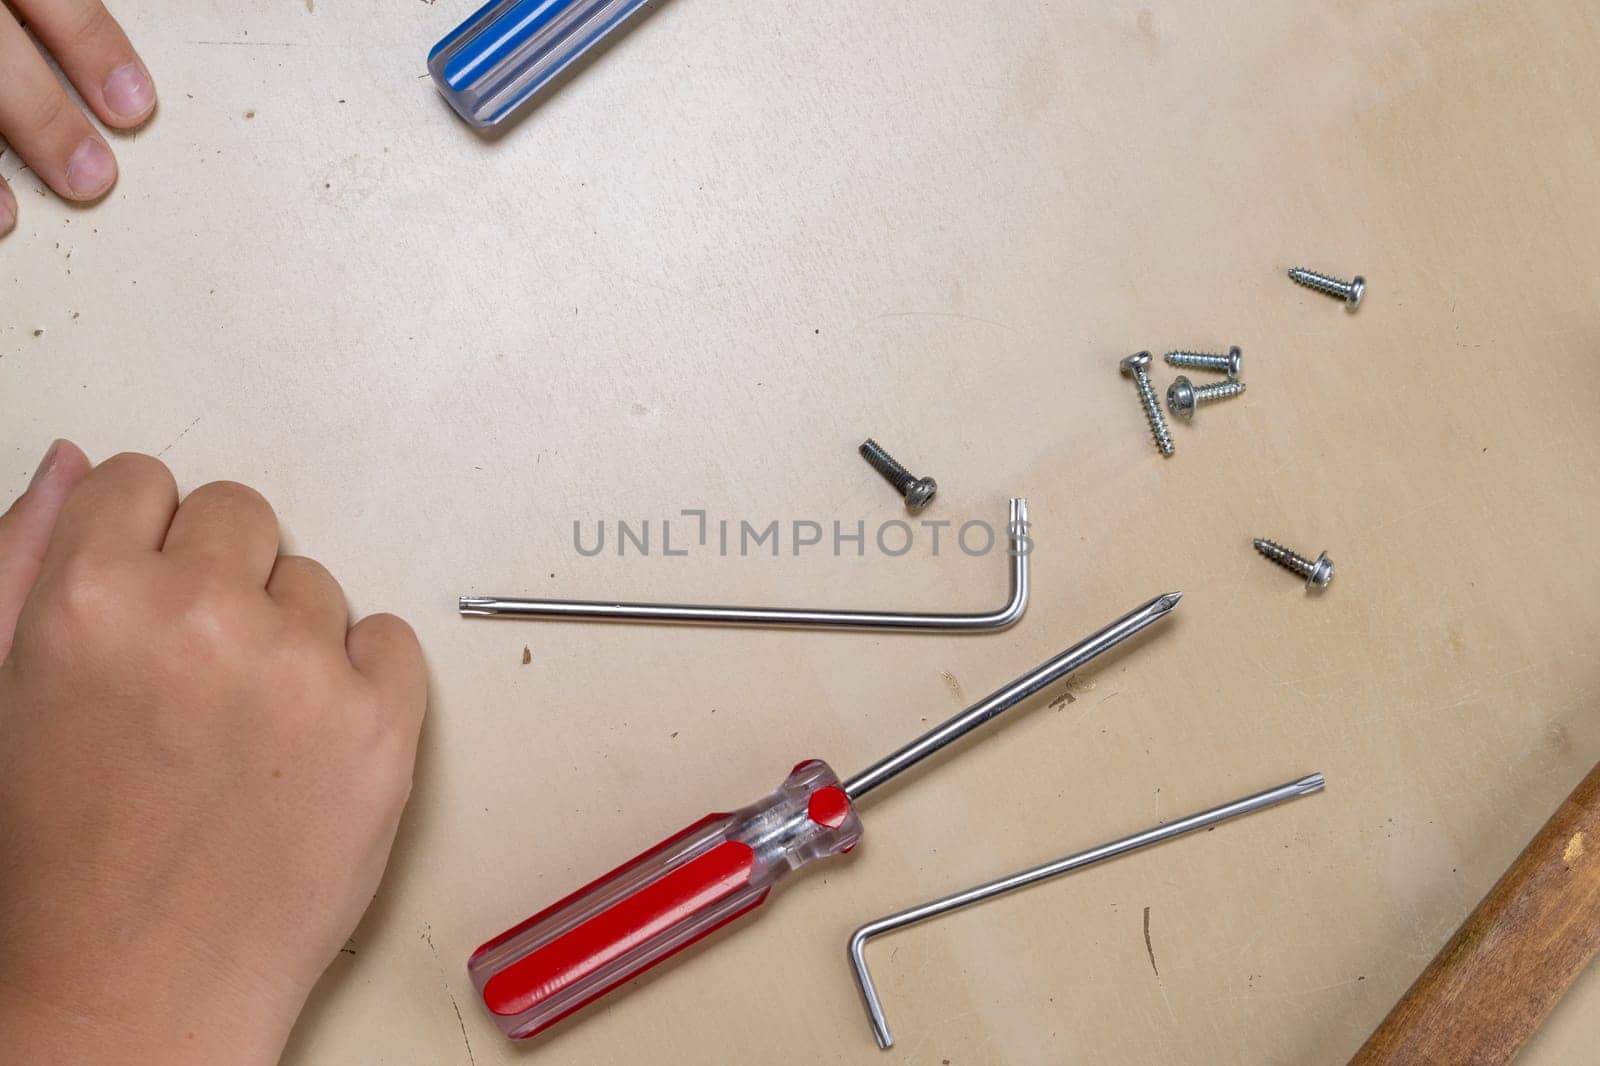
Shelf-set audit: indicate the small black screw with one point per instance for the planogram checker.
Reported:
(918, 491)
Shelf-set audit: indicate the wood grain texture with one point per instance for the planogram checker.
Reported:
(1489, 989)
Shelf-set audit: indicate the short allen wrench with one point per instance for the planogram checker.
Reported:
(608, 611)
(978, 893)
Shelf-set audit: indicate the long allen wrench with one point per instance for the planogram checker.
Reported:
(977, 894)
(608, 611)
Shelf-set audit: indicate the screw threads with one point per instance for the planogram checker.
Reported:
(1320, 282)
(1152, 412)
(1225, 364)
(1284, 557)
(1317, 572)
(1197, 360)
(1219, 391)
(884, 463)
(1348, 291)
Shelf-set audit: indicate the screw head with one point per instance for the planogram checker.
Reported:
(920, 494)
(1358, 289)
(1235, 361)
(1135, 362)
(1321, 572)
(1180, 398)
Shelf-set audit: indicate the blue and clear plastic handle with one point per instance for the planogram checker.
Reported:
(505, 53)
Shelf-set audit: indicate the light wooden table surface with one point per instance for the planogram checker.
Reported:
(755, 233)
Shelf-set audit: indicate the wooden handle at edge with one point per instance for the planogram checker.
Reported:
(1504, 970)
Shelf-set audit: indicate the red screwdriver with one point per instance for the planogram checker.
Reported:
(722, 866)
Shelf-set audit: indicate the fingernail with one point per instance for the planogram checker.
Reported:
(129, 92)
(91, 170)
(8, 211)
(45, 464)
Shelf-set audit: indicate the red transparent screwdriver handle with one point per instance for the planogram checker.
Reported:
(652, 907)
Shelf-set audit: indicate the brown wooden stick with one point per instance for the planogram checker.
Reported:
(1514, 957)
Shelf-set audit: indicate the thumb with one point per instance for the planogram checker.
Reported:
(25, 530)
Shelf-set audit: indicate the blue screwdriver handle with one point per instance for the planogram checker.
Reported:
(508, 50)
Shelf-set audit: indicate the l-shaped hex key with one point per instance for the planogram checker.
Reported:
(977, 894)
(608, 611)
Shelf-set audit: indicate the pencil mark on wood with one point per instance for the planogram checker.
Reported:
(444, 982)
(1149, 949)
(472, 1059)
(180, 436)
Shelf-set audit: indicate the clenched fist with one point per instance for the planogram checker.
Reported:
(202, 766)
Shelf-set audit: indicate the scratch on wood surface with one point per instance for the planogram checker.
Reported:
(954, 685)
(1574, 850)
(444, 982)
(933, 314)
(251, 44)
(180, 436)
(471, 1059)
(1149, 949)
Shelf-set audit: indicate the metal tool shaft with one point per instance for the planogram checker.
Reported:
(1011, 695)
(1305, 786)
(612, 611)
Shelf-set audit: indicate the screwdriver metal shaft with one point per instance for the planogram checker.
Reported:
(719, 868)
(1002, 699)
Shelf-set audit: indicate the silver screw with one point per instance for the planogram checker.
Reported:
(1348, 291)
(1183, 396)
(1317, 572)
(1228, 364)
(918, 491)
(1137, 366)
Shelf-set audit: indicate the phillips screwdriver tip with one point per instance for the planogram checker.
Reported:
(1311, 783)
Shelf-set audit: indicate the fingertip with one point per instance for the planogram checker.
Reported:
(58, 473)
(63, 462)
(91, 169)
(27, 526)
(130, 96)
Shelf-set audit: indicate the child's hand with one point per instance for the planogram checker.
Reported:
(41, 122)
(202, 766)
